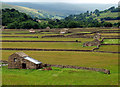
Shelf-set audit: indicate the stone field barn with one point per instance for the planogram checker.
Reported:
(20, 60)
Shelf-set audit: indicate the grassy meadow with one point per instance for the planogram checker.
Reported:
(113, 21)
(113, 48)
(68, 77)
(46, 45)
(111, 41)
(60, 76)
(108, 14)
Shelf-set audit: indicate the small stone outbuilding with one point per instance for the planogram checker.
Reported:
(20, 60)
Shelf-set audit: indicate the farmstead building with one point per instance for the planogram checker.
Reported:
(20, 60)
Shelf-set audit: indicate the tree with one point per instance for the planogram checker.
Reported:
(96, 11)
(73, 24)
(98, 14)
(111, 8)
(118, 24)
(107, 24)
(14, 25)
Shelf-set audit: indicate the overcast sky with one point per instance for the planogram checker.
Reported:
(68, 1)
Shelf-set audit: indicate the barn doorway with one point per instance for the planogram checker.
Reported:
(23, 65)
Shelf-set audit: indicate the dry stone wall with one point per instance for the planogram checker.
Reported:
(77, 67)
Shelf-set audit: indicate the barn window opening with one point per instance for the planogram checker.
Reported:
(15, 59)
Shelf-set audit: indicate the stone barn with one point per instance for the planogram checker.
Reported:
(20, 60)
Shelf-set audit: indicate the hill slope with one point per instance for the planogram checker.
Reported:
(56, 10)
(14, 19)
(109, 16)
(32, 12)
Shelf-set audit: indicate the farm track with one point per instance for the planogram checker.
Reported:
(56, 50)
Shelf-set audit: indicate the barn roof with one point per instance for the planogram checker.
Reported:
(22, 54)
(32, 60)
(25, 56)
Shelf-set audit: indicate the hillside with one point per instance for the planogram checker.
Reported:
(107, 15)
(55, 10)
(32, 12)
(14, 19)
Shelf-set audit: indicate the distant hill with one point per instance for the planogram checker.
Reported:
(56, 10)
(32, 12)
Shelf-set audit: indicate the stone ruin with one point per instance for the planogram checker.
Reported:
(95, 42)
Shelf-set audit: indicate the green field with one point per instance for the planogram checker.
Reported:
(48, 39)
(113, 21)
(96, 60)
(59, 76)
(111, 41)
(15, 31)
(113, 48)
(108, 14)
(46, 45)
(109, 34)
